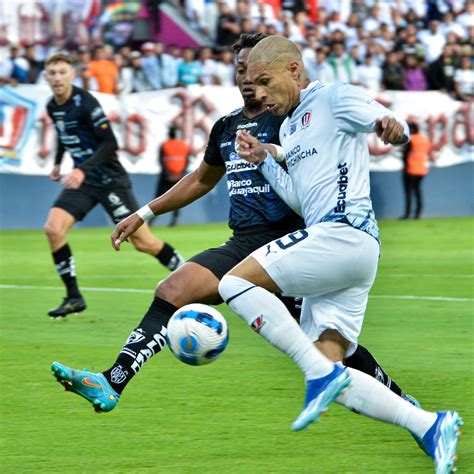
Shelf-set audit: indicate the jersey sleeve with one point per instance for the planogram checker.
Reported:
(356, 112)
(97, 121)
(281, 183)
(100, 127)
(212, 155)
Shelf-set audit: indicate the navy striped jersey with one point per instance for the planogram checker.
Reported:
(85, 133)
(252, 201)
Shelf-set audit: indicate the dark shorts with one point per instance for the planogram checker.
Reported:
(118, 202)
(222, 259)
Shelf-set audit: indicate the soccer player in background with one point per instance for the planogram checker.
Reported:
(98, 177)
(333, 261)
(257, 216)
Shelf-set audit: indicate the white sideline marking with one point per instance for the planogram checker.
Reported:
(137, 290)
(98, 276)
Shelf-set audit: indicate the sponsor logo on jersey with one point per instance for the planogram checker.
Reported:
(305, 119)
(224, 144)
(238, 165)
(258, 324)
(97, 112)
(296, 154)
(243, 126)
(342, 183)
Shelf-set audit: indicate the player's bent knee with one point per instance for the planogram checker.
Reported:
(333, 345)
(53, 231)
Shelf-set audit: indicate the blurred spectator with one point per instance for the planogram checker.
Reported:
(150, 66)
(34, 66)
(413, 75)
(228, 29)
(450, 26)
(369, 75)
(133, 77)
(433, 41)
(84, 80)
(464, 80)
(6, 70)
(342, 65)
(416, 155)
(19, 64)
(392, 72)
(104, 70)
(322, 72)
(440, 73)
(208, 67)
(174, 160)
(189, 70)
(225, 70)
(466, 19)
(168, 66)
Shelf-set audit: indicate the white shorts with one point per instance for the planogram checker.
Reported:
(332, 266)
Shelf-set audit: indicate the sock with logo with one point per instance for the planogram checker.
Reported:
(144, 342)
(170, 257)
(66, 267)
(364, 361)
(268, 316)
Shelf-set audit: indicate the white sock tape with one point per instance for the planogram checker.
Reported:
(145, 213)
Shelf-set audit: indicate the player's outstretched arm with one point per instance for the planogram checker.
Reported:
(185, 191)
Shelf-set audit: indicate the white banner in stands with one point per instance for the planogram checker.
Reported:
(140, 122)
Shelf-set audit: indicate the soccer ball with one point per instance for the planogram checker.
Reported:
(197, 334)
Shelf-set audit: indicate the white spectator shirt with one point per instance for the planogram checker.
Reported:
(369, 76)
(465, 79)
(433, 44)
(327, 155)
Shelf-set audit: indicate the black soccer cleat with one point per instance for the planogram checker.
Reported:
(68, 306)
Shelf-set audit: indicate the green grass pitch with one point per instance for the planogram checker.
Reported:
(232, 416)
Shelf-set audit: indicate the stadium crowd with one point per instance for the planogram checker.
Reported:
(393, 45)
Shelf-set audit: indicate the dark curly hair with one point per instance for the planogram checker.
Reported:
(247, 40)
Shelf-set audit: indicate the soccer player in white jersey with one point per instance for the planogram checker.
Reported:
(332, 263)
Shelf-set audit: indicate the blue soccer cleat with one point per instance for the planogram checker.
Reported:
(320, 393)
(93, 387)
(441, 440)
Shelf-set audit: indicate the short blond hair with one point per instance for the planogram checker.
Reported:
(57, 58)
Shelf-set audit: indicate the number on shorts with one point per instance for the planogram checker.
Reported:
(291, 239)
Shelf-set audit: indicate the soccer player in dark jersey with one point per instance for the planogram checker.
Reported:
(257, 215)
(98, 177)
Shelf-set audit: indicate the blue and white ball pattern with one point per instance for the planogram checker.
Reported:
(197, 334)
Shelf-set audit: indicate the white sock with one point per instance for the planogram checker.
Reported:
(268, 316)
(371, 398)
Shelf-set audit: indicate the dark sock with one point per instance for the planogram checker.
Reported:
(66, 267)
(169, 257)
(364, 361)
(144, 342)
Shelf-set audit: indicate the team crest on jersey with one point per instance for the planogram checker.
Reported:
(61, 126)
(292, 129)
(77, 100)
(305, 119)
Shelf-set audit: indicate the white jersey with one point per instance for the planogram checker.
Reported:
(327, 155)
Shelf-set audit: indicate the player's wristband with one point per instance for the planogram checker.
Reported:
(145, 213)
